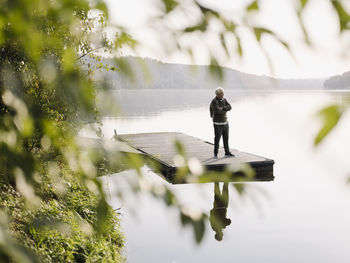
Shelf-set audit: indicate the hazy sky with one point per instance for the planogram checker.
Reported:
(325, 58)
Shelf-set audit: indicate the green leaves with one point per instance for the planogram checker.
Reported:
(330, 117)
(299, 13)
(239, 46)
(197, 223)
(44, 99)
(169, 5)
(201, 26)
(68, 60)
(101, 5)
(125, 68)
(124, 39)
(215, 69)
(206, 15)
(180, 149)
(9, 248)
(343, 15)
(303, 3)
(259, 31)
(102, 216)
(254, 6)
(207, 11)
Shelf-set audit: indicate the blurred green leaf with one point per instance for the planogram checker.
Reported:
(198, 225)
(285, 44)
(169, 198)
(199, 229)
(124, 68)
(303, 3)
(302, 25)
(330, 117)
(201, 26)
(343, 15)
(135, 161)
(68, 60)
(169, 5)
(207, 11)
(254, 6)
(239, 46)
(223, 43)
(124, 39)
(259, 31)
(229, 25)
(180, 149)
(239, 188)
(215, 69)
(102, 216)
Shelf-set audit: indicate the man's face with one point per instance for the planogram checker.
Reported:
(220, 95)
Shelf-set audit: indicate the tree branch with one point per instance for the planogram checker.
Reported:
(89, 52)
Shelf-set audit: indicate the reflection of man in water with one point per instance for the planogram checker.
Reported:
(218, 108)
(218, 220)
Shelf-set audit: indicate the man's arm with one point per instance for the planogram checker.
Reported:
(216, 108)
(227, 106)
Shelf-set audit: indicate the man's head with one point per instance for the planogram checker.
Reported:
(219, 92)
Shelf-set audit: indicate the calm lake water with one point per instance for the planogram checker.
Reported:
(302, 216)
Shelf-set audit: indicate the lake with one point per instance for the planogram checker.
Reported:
(301, 216)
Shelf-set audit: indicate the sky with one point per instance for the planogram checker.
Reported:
(326, 57)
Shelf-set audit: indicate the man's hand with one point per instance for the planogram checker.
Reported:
(227, 106)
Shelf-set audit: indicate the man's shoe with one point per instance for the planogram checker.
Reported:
(229, 154)
(215, 156)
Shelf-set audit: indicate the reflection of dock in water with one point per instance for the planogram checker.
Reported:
(160, 149)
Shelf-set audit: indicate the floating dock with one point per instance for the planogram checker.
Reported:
(160, 149)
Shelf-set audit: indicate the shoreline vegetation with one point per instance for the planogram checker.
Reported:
(53, 207)
(60, 228)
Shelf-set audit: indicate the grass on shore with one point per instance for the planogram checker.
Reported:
(61, 228)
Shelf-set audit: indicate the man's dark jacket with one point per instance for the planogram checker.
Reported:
(218, 109)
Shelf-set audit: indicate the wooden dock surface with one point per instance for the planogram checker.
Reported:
(90, 143)
(161, 148)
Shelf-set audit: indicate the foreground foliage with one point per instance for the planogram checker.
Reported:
(60, 228)
(52, 205)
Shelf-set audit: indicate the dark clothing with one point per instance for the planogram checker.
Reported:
(218, 109)
(224, 131)
(218, 218)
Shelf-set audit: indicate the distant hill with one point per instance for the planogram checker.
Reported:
(339, 82)
(145, 73)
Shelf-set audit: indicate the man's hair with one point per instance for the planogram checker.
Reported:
(219, 90)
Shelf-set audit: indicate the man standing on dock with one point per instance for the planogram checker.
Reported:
(218, 108)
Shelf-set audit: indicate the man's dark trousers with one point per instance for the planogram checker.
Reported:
(221, 130)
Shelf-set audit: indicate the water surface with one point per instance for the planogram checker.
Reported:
(302, 216)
